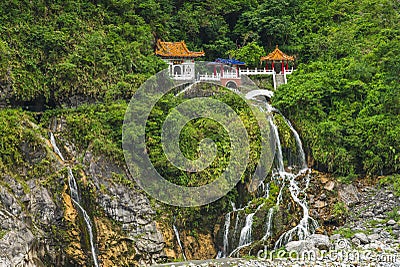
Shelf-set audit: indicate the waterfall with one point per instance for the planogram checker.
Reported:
(73, 187)
(269, 224)
(306, 224)
(266, 195)
(179, 241)
(236, 223)
(245, 234)
(75, 198)
(55, 147)
(279, 156)
(304, 228)
(226, 233)
(284, 179)
(299, 145)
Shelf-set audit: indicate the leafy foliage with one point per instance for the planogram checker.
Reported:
(344, 96)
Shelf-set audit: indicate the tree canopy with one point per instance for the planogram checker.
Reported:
(344, 96)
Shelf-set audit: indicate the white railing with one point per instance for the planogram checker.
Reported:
(183, 77)
(289, 71)
(255, 71)
(232, 74)
(210, 77)
(262, 71)
(217, 76)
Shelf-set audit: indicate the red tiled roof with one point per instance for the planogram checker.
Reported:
(277, 55)
(175, 49)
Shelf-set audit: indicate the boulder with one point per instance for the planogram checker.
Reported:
(385, 234)
(391, 222)
(373, 237)
(362, 237)
(329, 186)
(320, 241)
(335, 237)
(299, 246)
(348, 194)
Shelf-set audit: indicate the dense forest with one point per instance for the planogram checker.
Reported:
(343, 97)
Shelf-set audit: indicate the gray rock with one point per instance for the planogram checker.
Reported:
(396, 233)
(43, 207)
(373, 237)
(391, 222)
(368, 214)
(335, 237)
(320, 241)
(299, 246)
(362, 237)
(348, 194)
(384, 234)
(377, 230)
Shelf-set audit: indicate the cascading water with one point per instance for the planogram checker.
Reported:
(73, 187)
(55, 147)
(294, 177)
(245, 234)
(299, 145)
(284, 177)
(269, 224)
(75, 198)
(179, 241)
(226, 233)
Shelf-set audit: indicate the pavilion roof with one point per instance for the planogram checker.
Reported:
(277, 55)
(175, 49)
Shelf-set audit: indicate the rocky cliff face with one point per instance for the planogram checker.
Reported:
(40, 226)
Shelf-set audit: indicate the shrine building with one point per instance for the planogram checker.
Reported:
(180, 60)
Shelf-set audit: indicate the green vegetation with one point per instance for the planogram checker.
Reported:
(194, 132)
(394, 214)
(348, 233)
(344, 96)
(393, 181)
(340, 210)
(2, 233)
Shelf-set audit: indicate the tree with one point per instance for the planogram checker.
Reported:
(250, 53)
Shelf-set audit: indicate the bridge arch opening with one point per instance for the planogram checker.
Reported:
(231, 84)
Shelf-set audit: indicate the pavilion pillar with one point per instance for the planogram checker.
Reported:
(273, 67)
(266, 65)
(222, 70)
(215, 71)
(287, 65)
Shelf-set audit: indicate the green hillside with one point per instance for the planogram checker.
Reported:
(343, 98)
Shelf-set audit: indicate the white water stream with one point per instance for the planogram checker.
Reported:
(179, 241)
(73, 187)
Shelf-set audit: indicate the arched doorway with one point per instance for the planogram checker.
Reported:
(177, 70)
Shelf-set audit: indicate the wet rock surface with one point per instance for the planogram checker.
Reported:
(371, 232)
(40, 226)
